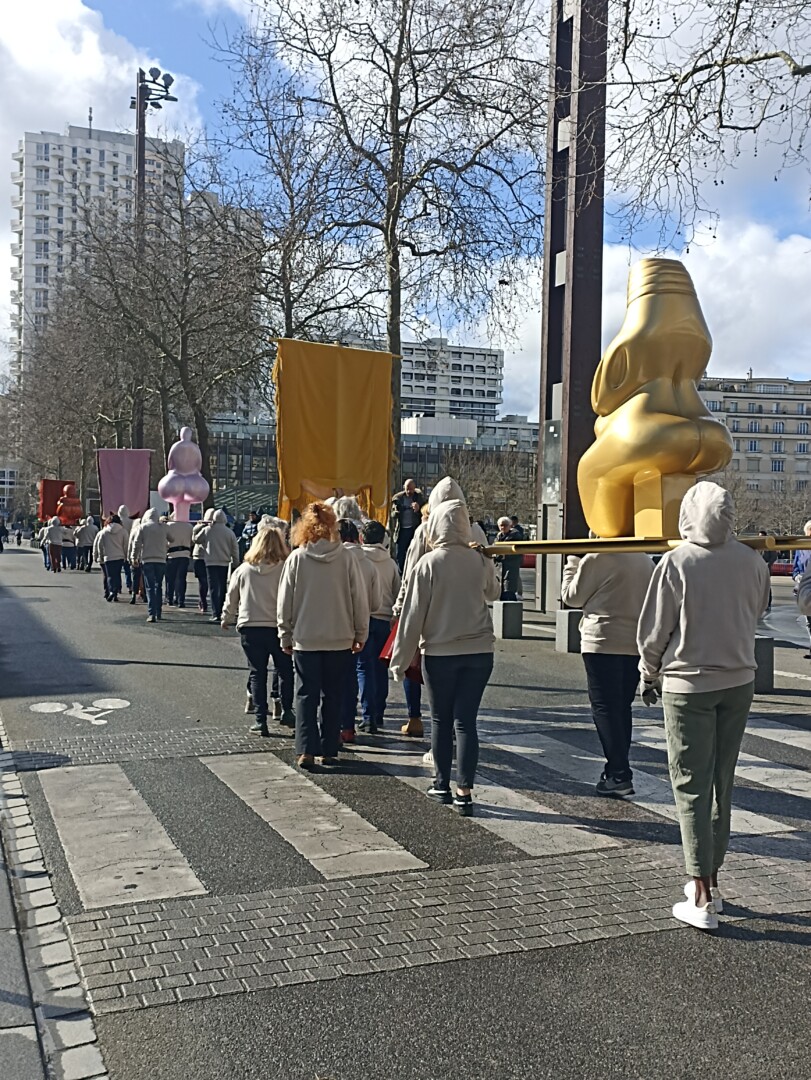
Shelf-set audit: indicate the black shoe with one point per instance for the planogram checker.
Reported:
(609, 785)
(441, 794)
(372, 727)
(463, 804)
(213, 619)
(132, 601)
(109, 598)
(260, 728)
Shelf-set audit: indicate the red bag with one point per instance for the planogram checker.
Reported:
(414, 669)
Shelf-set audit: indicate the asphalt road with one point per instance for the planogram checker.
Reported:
(659, 1005)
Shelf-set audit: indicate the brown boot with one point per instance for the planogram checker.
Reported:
(413, 727)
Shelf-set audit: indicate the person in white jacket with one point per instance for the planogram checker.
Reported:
(148, 546)
(446, 615)
(68, 547)
(350, 538)
(85, 534)
(198, 557)
(221, 550)
(373, 673)
(611, 590)
(323, 618)
(178, 557)
(251, 605)
(127, 523)
(112, 553)
(697, 635)
(53, 536)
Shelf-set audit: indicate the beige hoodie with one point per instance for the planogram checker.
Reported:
(445, 611)
(444, 490)
(368, 573)
(323, 604)
(388, 577)
(697, 627)
(611, 590)
(253, 594)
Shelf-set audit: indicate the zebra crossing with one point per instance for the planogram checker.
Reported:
(119, 851)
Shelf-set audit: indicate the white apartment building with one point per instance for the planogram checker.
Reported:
(439, 379)
(56, 176)
(770, 424)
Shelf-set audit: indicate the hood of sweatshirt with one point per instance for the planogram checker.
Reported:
(449, 525)
(150, 515)
(260, 568)
(376, 552)
(444, 490)
(54, 521)
(323, 550)
(219, 516)
(707, 514)
(209, 514)
(123, 511)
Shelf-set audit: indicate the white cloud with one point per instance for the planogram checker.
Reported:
(57, 58)
(755, 291)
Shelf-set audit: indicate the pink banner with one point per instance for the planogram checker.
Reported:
(124, 480)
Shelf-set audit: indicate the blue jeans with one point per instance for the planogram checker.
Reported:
(112, 571)
(153, 583)
(413, 696)
(373, 674)
(69, 556)
(349, 700)
(46, 556)
(176, 571)
(217, 580)
(456, 685)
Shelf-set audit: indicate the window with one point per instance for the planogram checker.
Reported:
(74, 154)
(714, 406)
(43, 151)
(467, 393)
(129, 161)
(41, 275)
(456, 392)
(802, 427)
(778, 447)
(40, 322)
(74, 203)
(101, 184)
(736, 425)
(779, 427)
(737, 445)
(41, 249)
(60, 236)
(778, 465)
(752, 485)
(769, 388)
(801, 410)
(40, 298)
(456, 367)
(778, 485)
(128, 183)
(60, 167)
(40, 225)
(732, 406)
(754, 446)
(42, 174)
(102, 156)
(87, 168)
(753, 426)
(42, 200)
(60, 215)
(801, 485)
(115, 173)
(59, 263)
(60, 188)
(802, 447)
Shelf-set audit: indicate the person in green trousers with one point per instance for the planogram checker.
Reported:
(696, 639)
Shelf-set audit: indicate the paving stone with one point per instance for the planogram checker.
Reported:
(20, 1056)
(80, 1063)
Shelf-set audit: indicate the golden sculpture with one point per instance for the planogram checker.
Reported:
(654, 433)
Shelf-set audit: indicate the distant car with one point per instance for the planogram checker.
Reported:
(781, 568)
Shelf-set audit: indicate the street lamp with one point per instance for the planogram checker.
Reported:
(148, 92)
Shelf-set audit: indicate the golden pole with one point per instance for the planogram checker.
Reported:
(619, 544)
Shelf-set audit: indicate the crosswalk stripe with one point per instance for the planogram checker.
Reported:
(523, 822)
(116, 849)
(782, 778)
(782, 733)
(652, 792)
(336, 840)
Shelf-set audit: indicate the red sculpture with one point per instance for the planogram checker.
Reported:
(69, 509)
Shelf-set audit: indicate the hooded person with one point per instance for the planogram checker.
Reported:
(373, 673)
(68, 547)
(148, 547)
(610, 589)
(446, 616)
(221, 550)
(696, 640)
(445, 490)
(178, 557)
(323, 618)
(112, 553)
(53, 536)
(350, 538)
(198, 558)
(85, 534)
(127, 523)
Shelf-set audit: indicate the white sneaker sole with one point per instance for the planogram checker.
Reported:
(717, 898)
(700, 918)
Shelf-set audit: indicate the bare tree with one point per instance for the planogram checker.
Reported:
(495, 482)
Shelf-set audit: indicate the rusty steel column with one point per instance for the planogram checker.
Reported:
(572, 271)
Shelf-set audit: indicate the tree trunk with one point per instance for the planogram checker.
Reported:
(203, 441)
(394, 343)
(167, 433)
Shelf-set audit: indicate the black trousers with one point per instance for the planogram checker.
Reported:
(404, 539)
(217, 578)
(456, 685)
(199, 566)
(260, 644)
(176, 571)
(320, 682)
(612, 681)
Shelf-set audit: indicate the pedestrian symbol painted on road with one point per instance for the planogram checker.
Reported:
(94, 712)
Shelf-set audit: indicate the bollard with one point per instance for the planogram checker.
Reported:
(508, 619)
(567, 630)
(764, 658)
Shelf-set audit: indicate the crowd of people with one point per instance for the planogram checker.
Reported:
(332, 607)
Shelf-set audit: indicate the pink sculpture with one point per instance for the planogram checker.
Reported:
(183, 483)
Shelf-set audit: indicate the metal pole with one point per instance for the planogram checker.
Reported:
(141, 98)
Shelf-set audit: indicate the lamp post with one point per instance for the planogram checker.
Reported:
(149, 92)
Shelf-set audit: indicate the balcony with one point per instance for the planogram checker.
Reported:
(16, 251)
(16, 320)
(17, 202)
(18, 154)
(16, 225)
(17, 177)
(17, 274)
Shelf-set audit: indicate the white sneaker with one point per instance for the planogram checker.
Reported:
(428, 759)
(702, 917)
(717, 898)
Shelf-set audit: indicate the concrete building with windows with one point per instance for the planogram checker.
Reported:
(770, 424)
(440, 379)
(56, 177)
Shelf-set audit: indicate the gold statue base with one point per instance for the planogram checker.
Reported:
(657, 501)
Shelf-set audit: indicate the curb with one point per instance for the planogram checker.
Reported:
(61, 1021)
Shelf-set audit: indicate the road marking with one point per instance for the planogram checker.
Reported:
(793, 675)
(652, 792)
(782, 733)
(338, 842)
(93, 713)
(523, 822)
(117, 850)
